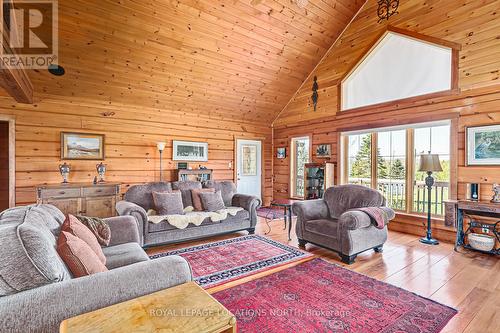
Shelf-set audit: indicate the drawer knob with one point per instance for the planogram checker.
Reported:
(62, 192)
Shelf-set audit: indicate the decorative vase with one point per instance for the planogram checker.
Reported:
(64, 169)
(101, 170)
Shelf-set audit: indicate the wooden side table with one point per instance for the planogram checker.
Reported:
(287, 205)
(184, 308)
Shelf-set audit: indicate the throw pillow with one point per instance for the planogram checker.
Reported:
(168, 203)
(78, 229)
(78, 256)
(212, 201)
(99, 228)
(196, 197)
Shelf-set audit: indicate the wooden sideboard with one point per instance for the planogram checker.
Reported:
(97, 200)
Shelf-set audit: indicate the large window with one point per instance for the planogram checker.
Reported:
(387, 159)
(300, 156)
(397, 67)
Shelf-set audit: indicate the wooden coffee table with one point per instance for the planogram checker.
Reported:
(184, 308)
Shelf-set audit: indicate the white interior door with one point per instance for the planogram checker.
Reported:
(249, 167)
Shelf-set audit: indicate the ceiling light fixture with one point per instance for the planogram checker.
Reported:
(387, 8)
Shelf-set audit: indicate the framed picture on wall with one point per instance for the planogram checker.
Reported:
(483, 145)
(190, 151)
(281, 152)
(324, 151)
(82, 146)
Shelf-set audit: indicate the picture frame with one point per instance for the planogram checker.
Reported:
(190, 151)
(483, 145)
(324, 151)
(82, 146)
(281, 152)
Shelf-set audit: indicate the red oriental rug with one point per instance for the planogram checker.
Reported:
(220, 262)
(317, 296)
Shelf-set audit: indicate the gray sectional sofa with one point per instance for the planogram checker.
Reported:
(138, 200)
(334, 223)
(37, 290)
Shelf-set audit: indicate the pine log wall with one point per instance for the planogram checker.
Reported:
(473, 24)
(131, 134)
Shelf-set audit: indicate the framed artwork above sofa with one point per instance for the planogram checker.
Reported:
(190, 151)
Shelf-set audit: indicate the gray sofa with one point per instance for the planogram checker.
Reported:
(37, 290)
(138, 200)
(333, 222)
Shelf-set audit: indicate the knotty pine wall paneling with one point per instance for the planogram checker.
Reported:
(475, 25)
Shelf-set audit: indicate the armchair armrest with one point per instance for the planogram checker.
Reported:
(43, 309)
(124, 208)
(353, 219)
(249, 203)
(124, 229)
(310, 210)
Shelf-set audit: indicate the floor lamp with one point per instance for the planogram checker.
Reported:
(161, 148)
(429, 163)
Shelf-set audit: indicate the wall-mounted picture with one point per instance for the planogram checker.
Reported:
(82, 146)
(281, 152)
(190, 151)
(483, 145)
(324, 151)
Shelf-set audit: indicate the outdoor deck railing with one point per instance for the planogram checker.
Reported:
(395, 193)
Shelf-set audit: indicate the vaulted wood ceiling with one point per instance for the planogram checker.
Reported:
(232, 59)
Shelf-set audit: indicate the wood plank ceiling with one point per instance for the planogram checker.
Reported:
(234, 59)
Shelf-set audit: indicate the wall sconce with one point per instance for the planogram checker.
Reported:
(161, 148)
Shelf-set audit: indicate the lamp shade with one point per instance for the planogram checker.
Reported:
(430, 162)
(161, 146)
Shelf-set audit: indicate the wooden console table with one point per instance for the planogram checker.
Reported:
(97, 200)
(185, 308)
(481, 208)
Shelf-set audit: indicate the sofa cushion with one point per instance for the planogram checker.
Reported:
(227, 188)
(78, 255)
(29, 258)
(168, 203)
(185, 187)
(324, 227)
(73, 226)
(165, 226)
(195, 195)
(142, 194)
(341, 198)
(212, 202)
(124, 254)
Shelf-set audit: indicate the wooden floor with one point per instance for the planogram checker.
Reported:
(469, 282)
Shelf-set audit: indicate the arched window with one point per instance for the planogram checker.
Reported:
(398, 67)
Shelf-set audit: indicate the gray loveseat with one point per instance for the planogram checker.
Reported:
(138, 200)
(333, 222)
(37, 290)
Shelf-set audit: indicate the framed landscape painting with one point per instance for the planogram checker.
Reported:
(281, 153)
(483, 145)
(82, 146)
(324, 151)
(190, 151)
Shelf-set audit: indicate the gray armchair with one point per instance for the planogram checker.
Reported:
(333, 223)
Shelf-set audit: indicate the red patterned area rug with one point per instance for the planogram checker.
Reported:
(317, 296)
(220, 262)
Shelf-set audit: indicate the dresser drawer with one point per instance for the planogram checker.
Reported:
(99, 191)
(57, 193)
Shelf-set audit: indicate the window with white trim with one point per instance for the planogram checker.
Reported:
(397, 67)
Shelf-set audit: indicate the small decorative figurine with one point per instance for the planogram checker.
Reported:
(101, 170)
(314, 96)
(95, 180)
(64, 169)
(496, 193)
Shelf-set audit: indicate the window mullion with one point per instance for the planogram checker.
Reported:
(410, 168)
(374, 163)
